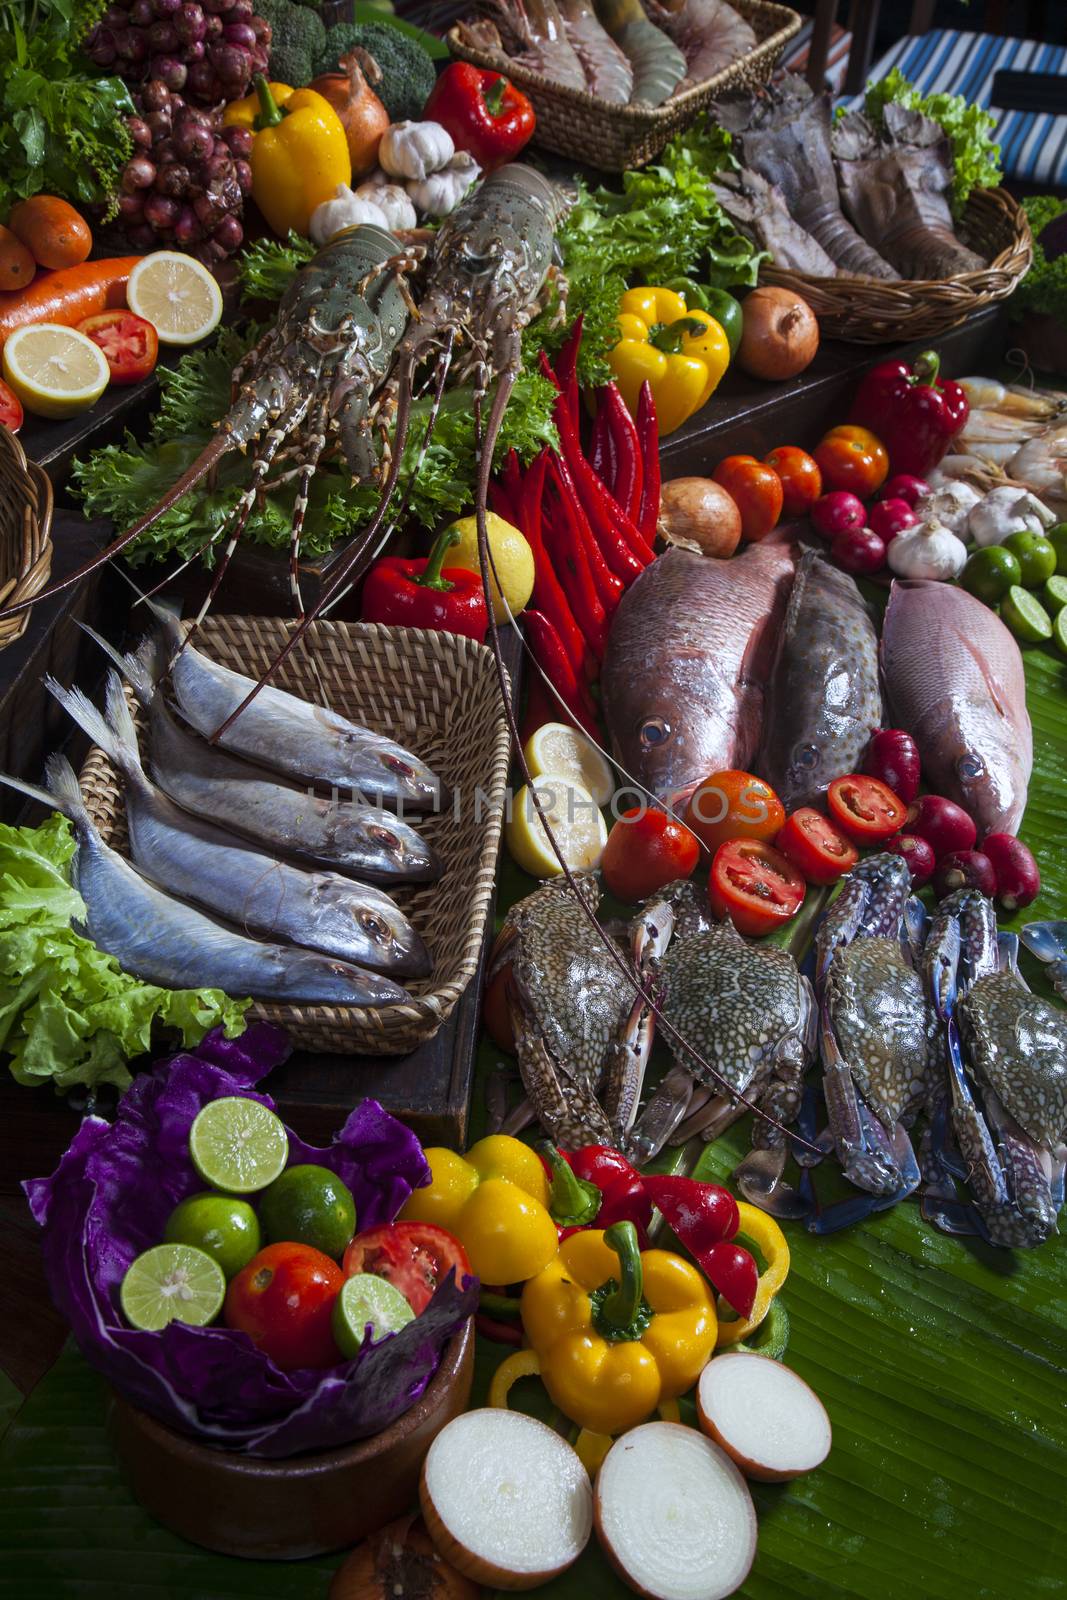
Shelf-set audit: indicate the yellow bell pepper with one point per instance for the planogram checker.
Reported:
(682, 354)
(761, 1230)
(617, 1330)
(300, 153)
(495, 1200)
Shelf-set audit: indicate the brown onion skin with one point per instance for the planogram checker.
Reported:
(780, 335)
(399, 1562)
(698, 514)
(362, 114)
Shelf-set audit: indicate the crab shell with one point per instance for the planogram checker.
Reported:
(883, 1027)
(1017, 1044)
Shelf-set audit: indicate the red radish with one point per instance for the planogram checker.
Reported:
(1014, 867)
(893, 756)
(835, 512)
(887, 518)
(505, 1500)
(858, 550)
(964, 869)
(903, 486)
(766, 1418)
(674, 1515)
(918, 857)
(942, 823)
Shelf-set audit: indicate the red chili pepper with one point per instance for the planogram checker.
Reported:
(595, 1187)
(648, 434)
(915, 413)
(501, 502)
(552, 658)
(548, 595)
(608, 587)
(567, 367)
(499, 1332)
(483, 112)
(512, 474)
(629, 473)
(601, 457)
(565, 551)
(418, 594)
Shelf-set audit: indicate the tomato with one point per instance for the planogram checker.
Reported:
(755, 885)
(284, 1300)
(801, 478)
(11, 413)
(852, 458)
(866, 809)
(733, 805)
(646, 850)
(415, 1256)
(129, 343)
(757, 490)
(815, 847)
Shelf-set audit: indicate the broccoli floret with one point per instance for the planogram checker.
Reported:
(297, 39)
(408, 74)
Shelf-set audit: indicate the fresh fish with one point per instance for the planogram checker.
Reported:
(217, 870)
(160, 940)
(281, 731)
(954, 681)
(688, 656)
(363, 841)
(825, 700)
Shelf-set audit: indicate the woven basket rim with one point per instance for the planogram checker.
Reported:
(26, 523)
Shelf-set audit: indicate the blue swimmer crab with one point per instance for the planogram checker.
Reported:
(1007, 1078)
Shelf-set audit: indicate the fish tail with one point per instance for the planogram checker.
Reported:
(79, 707)
(143, 667)
(61, 790)
(120, 721)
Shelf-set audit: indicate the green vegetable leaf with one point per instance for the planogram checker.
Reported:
(1044, 289)
(268, 267)
(976, 157)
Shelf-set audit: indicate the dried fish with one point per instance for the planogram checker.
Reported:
(759, 208)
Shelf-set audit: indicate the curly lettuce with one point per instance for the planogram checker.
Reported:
(974, 152)
(1044, 289)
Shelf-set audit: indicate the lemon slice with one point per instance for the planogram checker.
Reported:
(55, 371)
(177, 295)
(556, 747)
(575, 820)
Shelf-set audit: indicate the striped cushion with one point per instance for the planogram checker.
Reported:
(1033, 146)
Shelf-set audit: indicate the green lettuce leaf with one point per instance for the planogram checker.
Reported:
(1044, 289)
(976, 156)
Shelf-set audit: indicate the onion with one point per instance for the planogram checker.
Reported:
(362, 115)
(154, 96)
(766, 1418)
(165, 8)
(138, 173)
(229, 234)
(162, 39)
(238, 141)
(202, 81)
(174, 180)
(698, 514)
(243, 172)
(212, 27)
(239, 33)
(188, 229)
(141, 14)
(232, 64)
(171, 70)
(398, 1561)
(194, 142)
(140, 133)
(780, 334)
(190, 23)
(161, 212)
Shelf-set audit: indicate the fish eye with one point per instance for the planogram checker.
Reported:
(970, 765)
(395, 764)
(373, 925)
(806, 756)
(382, 836)
(653, 732)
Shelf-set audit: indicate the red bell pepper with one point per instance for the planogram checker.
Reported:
(704, 1216)
(483, 112)
(915, 413)
(595, 1187)
(419, 594)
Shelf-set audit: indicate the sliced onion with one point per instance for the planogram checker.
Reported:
(764, 1416)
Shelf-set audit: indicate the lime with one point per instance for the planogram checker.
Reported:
(1036, 556)
(1025, 616)
(309, 1205)
(1057, 538)
(1059, 631)
(238, 1145)
(1054, 594)
(226, 1228)
(172, 1283)
(367, 1300)
(990, 573)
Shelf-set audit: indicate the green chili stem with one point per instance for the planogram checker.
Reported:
(430, 576)
(270, 112)
(621, 1307)
(573, 1202)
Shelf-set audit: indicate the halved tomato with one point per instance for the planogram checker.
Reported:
(733, 805)
(815, 847)
(11, 413)
(415, 1256)
(754, 885)
(129, 343)
(866, 809)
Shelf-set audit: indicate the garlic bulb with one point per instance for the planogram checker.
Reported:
(393, 200)
(344, 210)
(951, 505)
(928, 550)
(415, 149)
(1007, 510)
(442, 191)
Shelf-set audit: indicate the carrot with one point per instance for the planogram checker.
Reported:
(53, 232)
(68, 296)
(17, 265)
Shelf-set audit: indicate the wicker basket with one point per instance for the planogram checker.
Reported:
(873, 311)
(437, 694)
(580, 126)
(25, 532)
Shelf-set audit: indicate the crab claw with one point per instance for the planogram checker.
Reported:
(759, 1178)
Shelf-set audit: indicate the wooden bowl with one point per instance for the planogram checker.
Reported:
(298, 1506)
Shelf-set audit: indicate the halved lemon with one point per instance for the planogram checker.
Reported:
(575, 820)
(556, 747)
(55, 371)
(177, 295)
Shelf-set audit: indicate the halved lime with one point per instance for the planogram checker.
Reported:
(367, 1301)
(1025, 616)
(1054, 594)
(172, 1283)
(1059, 631)
(225, 1227)
(310, 1205)
(238, 1145)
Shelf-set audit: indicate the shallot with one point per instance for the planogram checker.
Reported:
(698, 514)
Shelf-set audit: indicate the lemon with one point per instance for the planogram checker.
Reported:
(556, 747)
(177, 295)
(55, 371)
(513, 561)
(574, 818)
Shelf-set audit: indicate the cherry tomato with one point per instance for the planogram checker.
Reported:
(733, 805)
(284, 1299)
(852, 458)
(865, 809)
(815, 847)
(414, 1256)
(646, 850)
(801, 478)
(755, 885)
(11, 414)
(756, 488)
(129, 343)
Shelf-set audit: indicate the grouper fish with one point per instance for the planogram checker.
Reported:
(824, 700)
(688, 658)
(954, 680)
